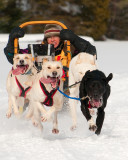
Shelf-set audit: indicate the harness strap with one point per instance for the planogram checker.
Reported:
(89, 105)
(49, 95)
(23, 92)
(72, 85)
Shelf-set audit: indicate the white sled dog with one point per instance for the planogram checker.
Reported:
(45, 99)
(79, 65)
(17, 88)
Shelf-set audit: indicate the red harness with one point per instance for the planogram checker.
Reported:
(23, 92)
(49, 95)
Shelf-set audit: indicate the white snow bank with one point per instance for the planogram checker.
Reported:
(35, 38)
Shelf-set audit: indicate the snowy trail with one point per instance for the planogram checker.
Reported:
(20, 140)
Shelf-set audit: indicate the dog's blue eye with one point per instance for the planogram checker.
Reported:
(26, 57)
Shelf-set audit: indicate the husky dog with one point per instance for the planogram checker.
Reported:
(77, 68)
(17, 88)
(44, 93)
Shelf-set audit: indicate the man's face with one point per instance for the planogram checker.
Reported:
(55, 40)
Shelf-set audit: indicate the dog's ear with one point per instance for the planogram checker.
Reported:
(86, 76)
(87, 72)
(110, 76)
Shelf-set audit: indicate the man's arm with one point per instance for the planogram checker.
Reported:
(17, 32)
(80, 44)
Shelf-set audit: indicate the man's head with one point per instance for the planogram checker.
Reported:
(52, 34)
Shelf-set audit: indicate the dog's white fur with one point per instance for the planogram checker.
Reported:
(14, 101)
(37, 111)
(77, 69)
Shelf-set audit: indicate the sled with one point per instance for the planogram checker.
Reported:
(65, 56)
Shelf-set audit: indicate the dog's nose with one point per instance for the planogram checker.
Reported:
(21, 61)
(54, 73)
(95, 95)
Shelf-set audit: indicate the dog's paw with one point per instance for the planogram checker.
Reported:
(92, 125)
(93, 128)
(35, 123)
(45, 117)
(73, 128)
(55, 131)
(8, 114)
(97, 132)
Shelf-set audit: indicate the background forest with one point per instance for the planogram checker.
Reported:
(98, 19)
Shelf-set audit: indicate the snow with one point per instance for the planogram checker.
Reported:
(35, 38)
(19, 139)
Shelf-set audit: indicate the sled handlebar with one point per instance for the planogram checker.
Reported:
(35, 23)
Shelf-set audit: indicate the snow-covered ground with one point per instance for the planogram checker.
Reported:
(20, 140)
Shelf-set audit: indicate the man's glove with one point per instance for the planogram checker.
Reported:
(17, 32)
(67, 34)
(80, 44)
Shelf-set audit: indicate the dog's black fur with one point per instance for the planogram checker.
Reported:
(95, 85)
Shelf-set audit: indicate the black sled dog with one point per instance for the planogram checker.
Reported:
(94, 92)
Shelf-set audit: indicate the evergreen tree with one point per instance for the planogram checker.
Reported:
(94, 18)
(67, 12)
(10, 15)
(84, 17)
(117, 28)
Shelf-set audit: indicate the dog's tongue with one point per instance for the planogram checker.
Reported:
(54, 84)
(19, 70)
(52, 81)
(96, 103)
